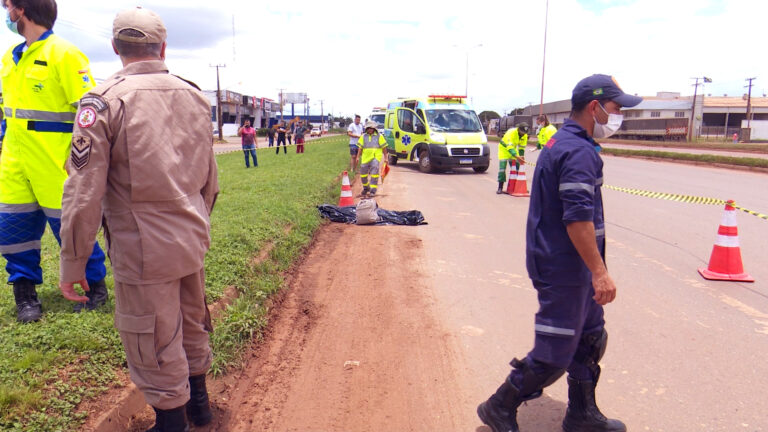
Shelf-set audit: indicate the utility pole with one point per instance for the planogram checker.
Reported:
(693, 106)
(749, 103)
(322, 119)
(218, 101)
(544, 60)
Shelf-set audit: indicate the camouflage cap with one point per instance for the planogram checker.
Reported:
(146, 25)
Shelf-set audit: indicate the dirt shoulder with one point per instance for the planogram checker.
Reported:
(353, 345)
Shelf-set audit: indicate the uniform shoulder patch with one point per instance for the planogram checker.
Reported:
(86, 117)
(96, 102)
(550, 143)
(81, 151)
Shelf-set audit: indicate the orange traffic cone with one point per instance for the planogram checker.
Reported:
(346, 192)
(512, 179)
(521, 185)
(725, 261)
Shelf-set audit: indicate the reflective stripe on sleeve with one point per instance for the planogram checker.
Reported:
(575, 186)
(8, 112)
(52, 213)
(19, 208)
(20, 247)
(600, 232)
(599, 182)
(45, 115)
(541, 328)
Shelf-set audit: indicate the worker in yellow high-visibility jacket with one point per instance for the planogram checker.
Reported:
(43, 80)
(371, 149)
(546, 130)
(511, 149)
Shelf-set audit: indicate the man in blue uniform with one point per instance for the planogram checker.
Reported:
(565, 257)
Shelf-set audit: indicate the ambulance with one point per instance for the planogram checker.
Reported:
(377, 115)
(439, 132)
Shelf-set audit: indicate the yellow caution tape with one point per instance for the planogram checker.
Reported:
(678, 197)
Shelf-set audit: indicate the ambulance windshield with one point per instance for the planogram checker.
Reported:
(453, 120)
(379, 119)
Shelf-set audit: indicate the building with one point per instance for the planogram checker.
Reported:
(716, 116)
(236, 108)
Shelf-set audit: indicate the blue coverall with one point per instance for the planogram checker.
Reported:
(565, 189)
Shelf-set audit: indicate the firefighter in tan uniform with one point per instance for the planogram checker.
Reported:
(142, 151)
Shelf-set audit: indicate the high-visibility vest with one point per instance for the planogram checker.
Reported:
(372, 145)
(41, 88)
(545, 133)
(510, 143)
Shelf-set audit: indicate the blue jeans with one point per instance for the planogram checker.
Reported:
(252, 150)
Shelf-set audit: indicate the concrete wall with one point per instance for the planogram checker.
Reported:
(759, 129)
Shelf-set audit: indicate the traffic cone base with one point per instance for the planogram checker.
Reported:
(725, 262)
(346, 199)
(521, 184)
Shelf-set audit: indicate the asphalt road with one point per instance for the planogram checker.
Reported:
(684, 354)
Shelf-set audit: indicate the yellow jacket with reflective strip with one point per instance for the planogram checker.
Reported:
(510, 143)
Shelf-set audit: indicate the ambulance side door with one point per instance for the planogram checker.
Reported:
(411, 130)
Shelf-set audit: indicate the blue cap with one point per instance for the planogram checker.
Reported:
(601, 87)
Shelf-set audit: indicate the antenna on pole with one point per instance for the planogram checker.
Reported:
(544, 59)
(233, 38)
(218, 101)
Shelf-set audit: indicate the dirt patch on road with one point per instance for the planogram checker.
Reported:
(353, 344)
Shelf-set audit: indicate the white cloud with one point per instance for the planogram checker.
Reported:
(356, 55)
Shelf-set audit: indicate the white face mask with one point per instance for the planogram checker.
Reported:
(608, 129)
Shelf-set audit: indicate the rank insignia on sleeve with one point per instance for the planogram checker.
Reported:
(86, 118)
(81, 151)
(95, 102)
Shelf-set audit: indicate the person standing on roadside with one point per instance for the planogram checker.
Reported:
(546, 130)
(371, 149)
(248, 138)
(271, 136)
(354, 131)
(509, 151)
(156, 190)
(280, 138)
(43, 79)
(301, 131)
(565, 257)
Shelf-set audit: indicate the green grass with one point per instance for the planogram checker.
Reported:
(706, 158)
(700, 144)
(48, 368)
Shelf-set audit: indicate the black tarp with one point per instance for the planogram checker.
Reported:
(386, 217)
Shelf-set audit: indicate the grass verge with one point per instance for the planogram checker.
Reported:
(703, 145)
(48, 368)
(703, 158)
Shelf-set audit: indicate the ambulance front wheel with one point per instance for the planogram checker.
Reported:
(480, 169)
(425, 164)
(391, 159)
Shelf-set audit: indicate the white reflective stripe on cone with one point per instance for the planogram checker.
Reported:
(729, 218)
(727, 241)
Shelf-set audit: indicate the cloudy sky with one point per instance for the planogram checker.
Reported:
(357, 55)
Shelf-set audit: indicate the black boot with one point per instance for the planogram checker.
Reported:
(97, 296)
(28, 307)
(583, 413)
(198, 407)
(499, 412)
(499, 190)
(172, 420)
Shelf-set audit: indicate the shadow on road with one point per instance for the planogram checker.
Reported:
(539, 415)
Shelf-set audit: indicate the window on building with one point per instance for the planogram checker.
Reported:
(679, 114)
(655, 113)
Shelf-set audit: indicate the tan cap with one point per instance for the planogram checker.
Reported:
(140, 20)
